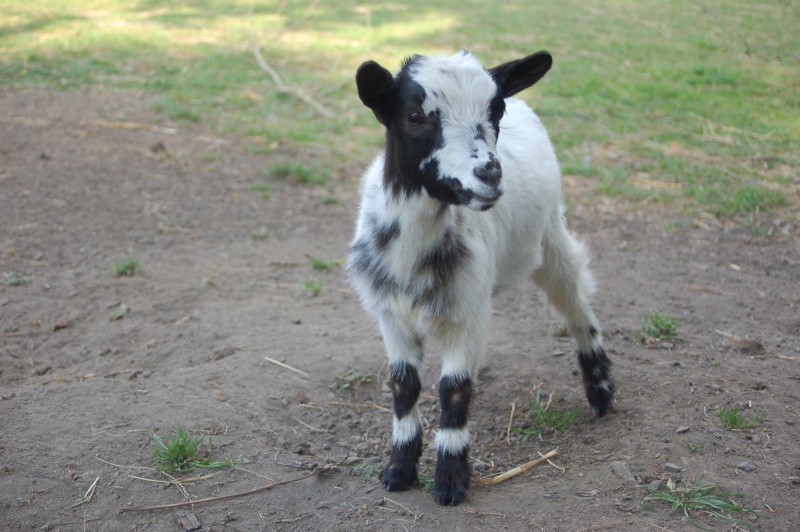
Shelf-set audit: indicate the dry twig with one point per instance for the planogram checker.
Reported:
(318, 471)
(286, 366)
(516, 471)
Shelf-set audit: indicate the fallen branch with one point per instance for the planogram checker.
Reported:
(318, 471)
(516, 471)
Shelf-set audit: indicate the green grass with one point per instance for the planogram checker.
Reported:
(126, 267)
(352, 379)
(265, 189)
(313, 286)
(700, 498)
(367, 470)
(658, 326)
(319, 264)
(688, 104)
(546, 417)
(182, 453)
(735, 418)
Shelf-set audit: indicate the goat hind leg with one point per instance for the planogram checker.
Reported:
(567, 281)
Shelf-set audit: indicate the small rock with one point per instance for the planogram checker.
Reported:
(790, 422)
(747, 467)
(187, 520)
(673, 467)
(621, 470)
(681, 430)
(653, 486)
(350, 460)
(756, 438)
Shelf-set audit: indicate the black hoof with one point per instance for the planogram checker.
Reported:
(600, 396)
(452, 478)
(399, 477)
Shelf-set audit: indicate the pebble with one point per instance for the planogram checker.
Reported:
(654, 485)
(621, 470)
(756, 438)
(747, 467)
(673, 467)
(350, 460)
(681, 430)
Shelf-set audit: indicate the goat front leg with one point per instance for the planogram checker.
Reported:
(404, 350)
(461, 362)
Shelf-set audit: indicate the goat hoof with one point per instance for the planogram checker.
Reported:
(452, 479)
(600, 397)
(395, 477)
(450, 495)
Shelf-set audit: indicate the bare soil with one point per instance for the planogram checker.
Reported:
(88, 178)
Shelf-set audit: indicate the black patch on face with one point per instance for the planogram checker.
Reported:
(405, 388)
(455, 394)
(497, 107)
(480, 133)
(407, 147)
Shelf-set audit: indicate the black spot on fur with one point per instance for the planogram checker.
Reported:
(401, 471)
(451, 480)
(405, 388)
(480, 134)
(440, 265)
(384, 234)
(596, 370)
(455, 394)
(365, 261)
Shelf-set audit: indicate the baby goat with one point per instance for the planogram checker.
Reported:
(425, 266)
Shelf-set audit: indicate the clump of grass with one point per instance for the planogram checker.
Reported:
(658, 326)
(546, 417)
(735, 419)
(265, 189)
(15, 279)
(313, 286)
(126, 267)
(699, 497)
(261, 234)
(319, 264)
(182, 453)
(367, 470)
(351, 379)
(304, 173)
(211, 280)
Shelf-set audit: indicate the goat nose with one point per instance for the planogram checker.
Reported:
(490, 173)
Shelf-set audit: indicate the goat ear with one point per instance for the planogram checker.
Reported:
(518, 75)
(375, 86)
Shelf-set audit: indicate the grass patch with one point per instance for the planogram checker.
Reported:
(319, 264)
(128, 266)
(691, 105)
(312, 286)
(183, 453)
(265, 189)
(546, 417)
(735, 418)
(367, 470)
(303, 173)
(15, 279)
(352, 379)
(658, 326)
(699, 498)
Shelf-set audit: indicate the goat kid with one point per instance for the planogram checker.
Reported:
(424, 266)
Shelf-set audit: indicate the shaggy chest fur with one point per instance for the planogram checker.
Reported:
(411, 255)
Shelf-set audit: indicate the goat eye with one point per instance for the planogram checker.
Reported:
(415, 119)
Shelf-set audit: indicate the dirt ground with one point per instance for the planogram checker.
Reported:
(87, 179)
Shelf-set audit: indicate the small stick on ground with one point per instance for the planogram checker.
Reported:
(286, 366)
(510, 421)
(318, 471)
(562, 469)
(516, 471)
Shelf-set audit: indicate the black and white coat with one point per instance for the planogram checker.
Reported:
(464, 201)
